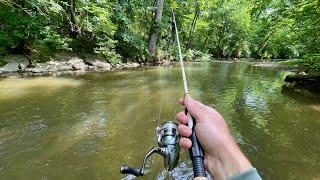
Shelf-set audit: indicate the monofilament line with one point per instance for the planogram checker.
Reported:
(161, 102)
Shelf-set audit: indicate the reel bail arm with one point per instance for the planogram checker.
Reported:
(141, 171)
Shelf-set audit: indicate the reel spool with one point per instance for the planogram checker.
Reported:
(168, 147)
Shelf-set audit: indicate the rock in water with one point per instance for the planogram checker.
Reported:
(12, 66)
(77, 64)
(37, 126)
(101, 65)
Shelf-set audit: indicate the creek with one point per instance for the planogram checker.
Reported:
(86, 126)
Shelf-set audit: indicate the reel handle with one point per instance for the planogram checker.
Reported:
(196, 151)
(129, 170)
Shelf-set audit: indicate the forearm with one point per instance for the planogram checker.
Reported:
(234, 161)
(229, 161)
(251, 174)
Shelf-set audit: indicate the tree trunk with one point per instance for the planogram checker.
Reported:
(154, 32)
(193, 25)
(265, 44)
(204, 43)
(74, 29)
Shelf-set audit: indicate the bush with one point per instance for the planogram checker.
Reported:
(106, 52)
(3, 60)
(312, 63)
(198, 56)
(40, 53)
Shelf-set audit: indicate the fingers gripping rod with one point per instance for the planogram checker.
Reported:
(195, 152)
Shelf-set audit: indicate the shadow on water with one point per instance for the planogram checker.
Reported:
(87, 126)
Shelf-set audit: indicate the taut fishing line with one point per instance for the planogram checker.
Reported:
(163, 82)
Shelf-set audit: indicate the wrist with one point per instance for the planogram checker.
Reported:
(229, 161)
(234, 161)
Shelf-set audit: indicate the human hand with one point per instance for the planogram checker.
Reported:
(223, 158)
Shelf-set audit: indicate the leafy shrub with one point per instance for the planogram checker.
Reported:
(40, 53)
(3, 61)
(99, 25)
(312, 63)
(53, 40)
(42, 49)
(195, 55)
(2, 51)
(110, 55)
(168, 51)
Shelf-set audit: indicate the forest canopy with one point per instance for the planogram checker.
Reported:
(142, 30)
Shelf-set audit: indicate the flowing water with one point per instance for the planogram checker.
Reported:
(86, 126)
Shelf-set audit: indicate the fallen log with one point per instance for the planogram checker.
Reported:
(308, 82)
(302, 78)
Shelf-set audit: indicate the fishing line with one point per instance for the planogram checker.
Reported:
(161, 101)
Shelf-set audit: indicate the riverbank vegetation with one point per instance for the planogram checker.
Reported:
(142, 31)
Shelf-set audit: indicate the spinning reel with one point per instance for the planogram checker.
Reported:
(168, 147)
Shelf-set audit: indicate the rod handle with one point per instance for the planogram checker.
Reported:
(196, 151)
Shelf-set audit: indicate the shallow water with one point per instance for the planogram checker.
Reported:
(87, 126)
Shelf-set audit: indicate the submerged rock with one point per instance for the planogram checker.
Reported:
(37, 126)
(2, 167)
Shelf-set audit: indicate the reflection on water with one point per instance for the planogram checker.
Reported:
(87, 126)
(13, 87)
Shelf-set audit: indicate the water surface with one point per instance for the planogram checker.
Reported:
(87, 126)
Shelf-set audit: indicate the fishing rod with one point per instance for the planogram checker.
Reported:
(168, 137)
(195, 152)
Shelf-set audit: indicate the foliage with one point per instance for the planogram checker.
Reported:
(312, 63)
(120, 29)
(198, 56)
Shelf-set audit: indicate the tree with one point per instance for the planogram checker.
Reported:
(155, 29)
(138, 30)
